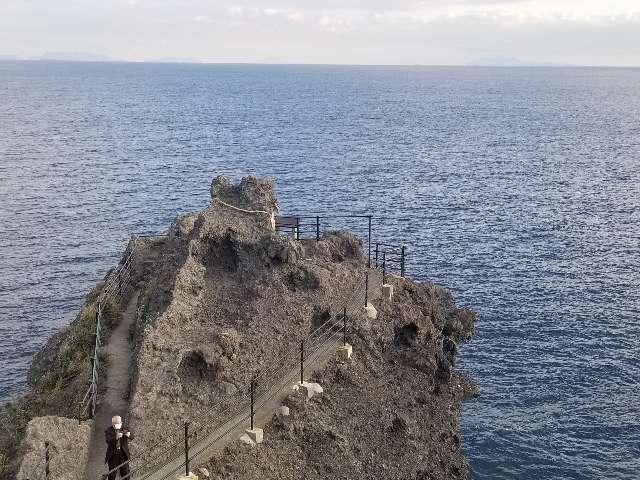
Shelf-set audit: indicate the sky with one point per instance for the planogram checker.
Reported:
(576, 32)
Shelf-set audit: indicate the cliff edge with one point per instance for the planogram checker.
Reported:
(224, 293)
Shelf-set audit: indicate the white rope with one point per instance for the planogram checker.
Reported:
(241, 209)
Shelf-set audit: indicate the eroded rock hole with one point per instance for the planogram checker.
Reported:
(320, 317)
(223, 254)
(406, 336)
(194, 368)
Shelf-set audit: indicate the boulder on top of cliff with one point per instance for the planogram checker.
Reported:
(252, 193)
(68, 448)
(336, 246)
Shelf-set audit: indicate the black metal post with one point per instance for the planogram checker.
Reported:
(344, 327)
(376, 250)
(402, 262)
(253, 386)
(297, 228)
(186, 448)
(366, 290)
(46, 460)
(317, 229)
(301, 361)
(384, 267)
(369, 242)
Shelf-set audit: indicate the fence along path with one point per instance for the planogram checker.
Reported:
(117, 289)
(216, 429)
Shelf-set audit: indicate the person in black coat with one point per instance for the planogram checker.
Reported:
(117, 456)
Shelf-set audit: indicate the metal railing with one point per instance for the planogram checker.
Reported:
(118, 281)
(390, 258)
(309, 227)
(116, 287)
(90, 398)
(167, 457)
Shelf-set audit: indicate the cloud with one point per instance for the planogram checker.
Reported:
(334, 31)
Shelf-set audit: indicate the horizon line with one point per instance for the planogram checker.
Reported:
(9, 58)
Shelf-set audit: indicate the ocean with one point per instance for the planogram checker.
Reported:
(517, 188)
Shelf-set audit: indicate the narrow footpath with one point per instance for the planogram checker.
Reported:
(115, 400)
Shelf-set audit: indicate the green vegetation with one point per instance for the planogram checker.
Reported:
(62, 376)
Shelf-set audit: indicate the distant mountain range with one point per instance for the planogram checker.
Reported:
(489, 61)
(64, 56)
(500, 61)
(74, 57)
(91, 57)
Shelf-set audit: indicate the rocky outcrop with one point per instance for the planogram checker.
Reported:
(388, 412)
(228, 294)
(231, 293)
(223, 293)
(68, 443)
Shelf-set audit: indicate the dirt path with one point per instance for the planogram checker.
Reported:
(114, 401)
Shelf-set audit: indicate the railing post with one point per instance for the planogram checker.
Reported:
(253, 387)
(317, 229)
(93, 388)
(186, 448)
(46, 460)
(402, 262)
(297, 228)
(369, 242)
(376, 250)
(366, 289)
(344, 327)
(301, 361)
(384, 267)
(98, 315)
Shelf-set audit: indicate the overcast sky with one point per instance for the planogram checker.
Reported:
(586, 32)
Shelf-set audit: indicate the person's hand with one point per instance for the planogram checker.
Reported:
(128, 434)
(118, 435)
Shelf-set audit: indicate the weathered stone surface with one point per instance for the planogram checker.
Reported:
(252, 193)
(283, 411)
(370, 311)
(191, 476)
(345, 351)
(390, 412)
(246, 439)
(387, 292)
(308, 388)
(68, 443)
(256, 435)
(227, 295)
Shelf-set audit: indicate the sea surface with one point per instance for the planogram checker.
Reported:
(517, 188)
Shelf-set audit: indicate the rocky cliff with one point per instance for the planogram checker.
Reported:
(229, 294)
(389, 412)
(223, 293)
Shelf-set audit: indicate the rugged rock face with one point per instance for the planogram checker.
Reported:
(389, 412)
(228, 295)
(222, 294)
(68, 443)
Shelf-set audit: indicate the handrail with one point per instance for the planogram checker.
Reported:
(316, 344)
(267, 381)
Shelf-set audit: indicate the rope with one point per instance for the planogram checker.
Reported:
(242, 209)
